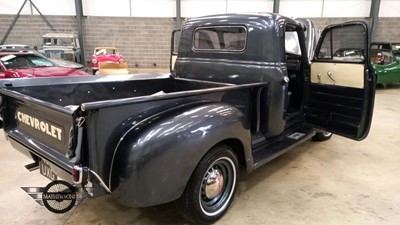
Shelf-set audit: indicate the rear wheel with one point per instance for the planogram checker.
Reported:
(211, 188)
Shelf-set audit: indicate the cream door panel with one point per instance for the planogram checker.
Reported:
(339, 74)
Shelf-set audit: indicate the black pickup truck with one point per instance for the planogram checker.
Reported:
(242, 93)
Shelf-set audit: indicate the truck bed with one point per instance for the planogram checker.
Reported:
(76, 94)
(45, 121)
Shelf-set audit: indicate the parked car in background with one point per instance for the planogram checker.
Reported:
(396, 50)
(15, 47)
(16, 64)
(22, 47)
(62, 46)
(105, 54)
(385, 58)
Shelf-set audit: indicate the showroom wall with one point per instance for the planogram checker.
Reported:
(144, 42)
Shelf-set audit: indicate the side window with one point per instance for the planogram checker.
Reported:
(292, 44)
(396, 51)
(293, 51)
(47, 41)
(1, 70)
(221, 38)
(76, 43)
(343, 44)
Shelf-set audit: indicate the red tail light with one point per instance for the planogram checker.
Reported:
(77, 174)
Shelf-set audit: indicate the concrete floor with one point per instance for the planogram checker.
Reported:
(337, 182)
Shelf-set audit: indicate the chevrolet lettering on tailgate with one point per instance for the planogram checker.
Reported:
(40, 125)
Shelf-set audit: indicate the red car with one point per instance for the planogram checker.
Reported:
(15, 64)
(105, 54)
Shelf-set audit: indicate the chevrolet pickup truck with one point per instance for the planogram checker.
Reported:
(242, 93)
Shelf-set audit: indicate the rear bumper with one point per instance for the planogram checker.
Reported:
(59, 171)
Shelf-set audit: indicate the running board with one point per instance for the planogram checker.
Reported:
(270, 150)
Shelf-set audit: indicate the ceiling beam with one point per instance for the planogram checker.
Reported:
(276, 6)
(374, 14)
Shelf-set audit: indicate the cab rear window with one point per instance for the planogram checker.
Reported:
(220, 38)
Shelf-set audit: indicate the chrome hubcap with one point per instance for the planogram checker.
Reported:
(217, 186)
(214, 184)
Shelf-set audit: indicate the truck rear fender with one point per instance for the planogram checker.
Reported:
(154, 161)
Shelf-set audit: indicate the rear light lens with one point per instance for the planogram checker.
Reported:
(77, 174)
(121, 60)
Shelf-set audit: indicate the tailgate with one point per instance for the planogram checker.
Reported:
(44, 128)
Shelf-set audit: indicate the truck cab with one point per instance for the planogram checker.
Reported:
(246, 48)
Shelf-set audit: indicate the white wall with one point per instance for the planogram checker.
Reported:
(236, 6)
(12, 7)
(153, 8)
(193, 8)
(105, 8)
(304, 8)
(346, 8)
(389, 8)
(55, 7)
(46, 7)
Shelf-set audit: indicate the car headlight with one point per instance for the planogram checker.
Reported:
(94, 61)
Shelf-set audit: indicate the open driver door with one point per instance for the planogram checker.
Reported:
(340, 89)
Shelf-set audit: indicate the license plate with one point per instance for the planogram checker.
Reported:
(46, 171)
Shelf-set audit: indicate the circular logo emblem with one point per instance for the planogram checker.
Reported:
(59, 196)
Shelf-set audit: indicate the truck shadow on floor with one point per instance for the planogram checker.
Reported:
(104, 210)
(387, 86)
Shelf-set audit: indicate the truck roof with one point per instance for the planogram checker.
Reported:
(261, 28)
(243, 17)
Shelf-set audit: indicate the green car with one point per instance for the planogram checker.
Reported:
(385, 58)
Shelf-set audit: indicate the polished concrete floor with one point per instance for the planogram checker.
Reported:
(337, 182)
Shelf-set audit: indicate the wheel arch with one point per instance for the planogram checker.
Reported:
(238, 149)
(159, 166)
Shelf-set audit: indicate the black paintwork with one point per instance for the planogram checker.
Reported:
(190, 111)
(261, 61)
(145, 147)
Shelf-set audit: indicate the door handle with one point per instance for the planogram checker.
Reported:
(285, 80)
(329, 73)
